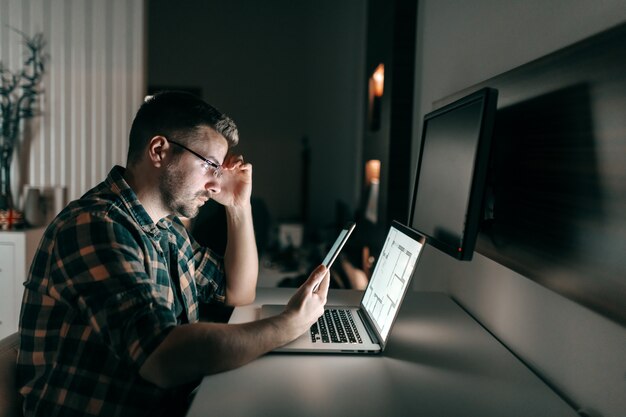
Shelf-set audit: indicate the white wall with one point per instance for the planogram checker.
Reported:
(581, 353)
(93, 86)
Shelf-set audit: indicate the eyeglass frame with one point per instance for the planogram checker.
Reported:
(217, 168)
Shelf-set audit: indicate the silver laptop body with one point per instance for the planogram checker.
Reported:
(374, 317)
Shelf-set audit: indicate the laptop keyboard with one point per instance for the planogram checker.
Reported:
(335, 326)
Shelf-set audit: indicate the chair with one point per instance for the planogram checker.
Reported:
(10, 400)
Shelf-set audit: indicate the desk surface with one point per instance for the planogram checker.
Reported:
(438, 362)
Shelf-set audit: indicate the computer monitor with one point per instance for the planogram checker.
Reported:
(447, 204)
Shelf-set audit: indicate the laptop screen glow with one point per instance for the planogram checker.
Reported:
(390, 279)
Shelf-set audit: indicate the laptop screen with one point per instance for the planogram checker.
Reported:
(391, 277)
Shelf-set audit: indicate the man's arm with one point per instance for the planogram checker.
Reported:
(194, 350)
(241, 259)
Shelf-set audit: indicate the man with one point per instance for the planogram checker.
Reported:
(109, 322)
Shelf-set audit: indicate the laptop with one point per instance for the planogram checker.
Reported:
(365, 328)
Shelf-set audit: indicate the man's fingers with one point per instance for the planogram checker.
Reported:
(317, 278)
(233, 161)
(324, 284)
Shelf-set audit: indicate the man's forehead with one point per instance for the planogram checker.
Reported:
(206, 136)
(212, 143)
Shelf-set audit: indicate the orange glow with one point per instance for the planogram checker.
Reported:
(378, 79)
(372, 171)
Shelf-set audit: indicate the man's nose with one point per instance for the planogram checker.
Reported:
(213, 185)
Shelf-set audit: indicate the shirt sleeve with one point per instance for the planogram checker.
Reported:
(210, 278)
(102, 271)
(209, 272)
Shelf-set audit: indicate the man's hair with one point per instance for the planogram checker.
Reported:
(177, 116)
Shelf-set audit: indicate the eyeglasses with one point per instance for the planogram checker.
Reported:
(208, 164)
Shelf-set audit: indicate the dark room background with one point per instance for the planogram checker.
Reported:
(290, 75)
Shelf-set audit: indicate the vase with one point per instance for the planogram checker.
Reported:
(6, 198)
(10, 217)
(33, 208)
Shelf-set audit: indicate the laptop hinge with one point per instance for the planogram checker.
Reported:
(368, 326)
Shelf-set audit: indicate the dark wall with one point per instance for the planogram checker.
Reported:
(391, 41)
(283, 71)
(558, 174)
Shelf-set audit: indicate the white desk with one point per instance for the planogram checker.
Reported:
(438, 362)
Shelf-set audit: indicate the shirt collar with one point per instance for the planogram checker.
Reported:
(115, 180)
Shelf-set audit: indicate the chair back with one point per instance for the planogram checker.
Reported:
(10, 400)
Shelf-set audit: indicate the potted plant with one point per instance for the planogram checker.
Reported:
(19, 92)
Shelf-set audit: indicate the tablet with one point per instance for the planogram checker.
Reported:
(338, 245)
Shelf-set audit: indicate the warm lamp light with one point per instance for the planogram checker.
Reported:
(372, 171)
(378, 80)
(372, 185)
(376, 89)
(372, 181)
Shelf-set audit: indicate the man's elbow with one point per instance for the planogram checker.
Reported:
(154, 372)
(240, 298)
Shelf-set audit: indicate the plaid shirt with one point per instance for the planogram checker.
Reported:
(99, 299)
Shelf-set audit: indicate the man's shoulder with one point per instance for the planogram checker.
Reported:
(103, 208)
(101, 204)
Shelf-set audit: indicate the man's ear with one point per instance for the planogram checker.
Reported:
(158, 147)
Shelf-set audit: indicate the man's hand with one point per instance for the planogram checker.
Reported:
(307, 305)
(236, 182)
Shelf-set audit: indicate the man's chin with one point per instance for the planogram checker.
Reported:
(188, 212)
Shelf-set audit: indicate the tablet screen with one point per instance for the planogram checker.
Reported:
(338, 245)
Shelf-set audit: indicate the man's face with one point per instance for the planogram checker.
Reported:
(186, 183)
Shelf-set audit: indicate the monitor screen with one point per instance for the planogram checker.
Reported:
(451, 169)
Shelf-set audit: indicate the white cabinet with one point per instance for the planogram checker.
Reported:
(17, 249)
